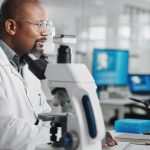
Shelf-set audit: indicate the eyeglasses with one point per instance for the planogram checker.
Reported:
(44, 26)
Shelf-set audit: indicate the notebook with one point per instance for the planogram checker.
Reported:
(130, 137)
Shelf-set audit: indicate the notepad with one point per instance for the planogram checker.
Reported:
(130, 137)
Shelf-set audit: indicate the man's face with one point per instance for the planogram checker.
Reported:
(29, 37)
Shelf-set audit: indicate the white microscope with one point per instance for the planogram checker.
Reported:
(83, 128)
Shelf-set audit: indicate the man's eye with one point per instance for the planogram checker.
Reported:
(40, 24)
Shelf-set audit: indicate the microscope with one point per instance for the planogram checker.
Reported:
(146, 102)
(83, 127)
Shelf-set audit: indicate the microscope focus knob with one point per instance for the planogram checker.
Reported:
(70, 141)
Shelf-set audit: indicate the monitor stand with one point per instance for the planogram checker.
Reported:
(113, 92)
(102, 92)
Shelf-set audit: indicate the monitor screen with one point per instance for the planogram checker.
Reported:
(139, 84)
(110, 67)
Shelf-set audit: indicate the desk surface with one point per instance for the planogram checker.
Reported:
(116, 102)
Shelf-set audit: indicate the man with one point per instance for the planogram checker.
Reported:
(23, 29)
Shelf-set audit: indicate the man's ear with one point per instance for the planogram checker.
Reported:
(10, 26)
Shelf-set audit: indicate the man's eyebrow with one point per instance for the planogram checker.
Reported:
(42, 20)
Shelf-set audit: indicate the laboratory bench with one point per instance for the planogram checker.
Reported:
(118, 104)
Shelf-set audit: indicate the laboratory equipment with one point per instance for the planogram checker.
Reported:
(83, 128)
(139, 85)
(146, 102)
(110, 68)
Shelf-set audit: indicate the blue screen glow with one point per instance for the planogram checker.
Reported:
(110, 67)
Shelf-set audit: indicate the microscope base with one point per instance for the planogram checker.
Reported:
(47, 147)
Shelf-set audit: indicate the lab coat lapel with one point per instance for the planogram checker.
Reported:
(5, 62)
(14, 71)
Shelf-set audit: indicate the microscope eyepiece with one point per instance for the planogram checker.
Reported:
(37, 67)
(64, 54)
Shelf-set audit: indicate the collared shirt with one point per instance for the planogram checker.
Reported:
(14, 59)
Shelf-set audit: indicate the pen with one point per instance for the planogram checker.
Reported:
(140, 143)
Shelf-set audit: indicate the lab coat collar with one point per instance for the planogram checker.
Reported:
(4, 61)
(3, 58)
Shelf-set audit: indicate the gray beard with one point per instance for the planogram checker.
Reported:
(37, 53)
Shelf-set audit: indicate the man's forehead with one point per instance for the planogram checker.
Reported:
(32, 10)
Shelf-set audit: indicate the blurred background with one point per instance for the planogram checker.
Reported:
(115, 24)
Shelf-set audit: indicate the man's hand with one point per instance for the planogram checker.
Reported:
(109, 141)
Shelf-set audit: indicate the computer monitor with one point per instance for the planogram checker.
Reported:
(139, 84)
(110, 67)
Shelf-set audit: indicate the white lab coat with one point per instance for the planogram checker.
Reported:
(21, 99)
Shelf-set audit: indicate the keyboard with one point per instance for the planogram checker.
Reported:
(120, 146)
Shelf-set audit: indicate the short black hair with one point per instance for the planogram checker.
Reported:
(9, 9)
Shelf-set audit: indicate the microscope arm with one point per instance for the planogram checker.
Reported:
(81, 88)
(146, 102)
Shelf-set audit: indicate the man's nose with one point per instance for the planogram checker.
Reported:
(45, 32)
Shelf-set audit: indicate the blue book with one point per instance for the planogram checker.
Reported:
(132, 125)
